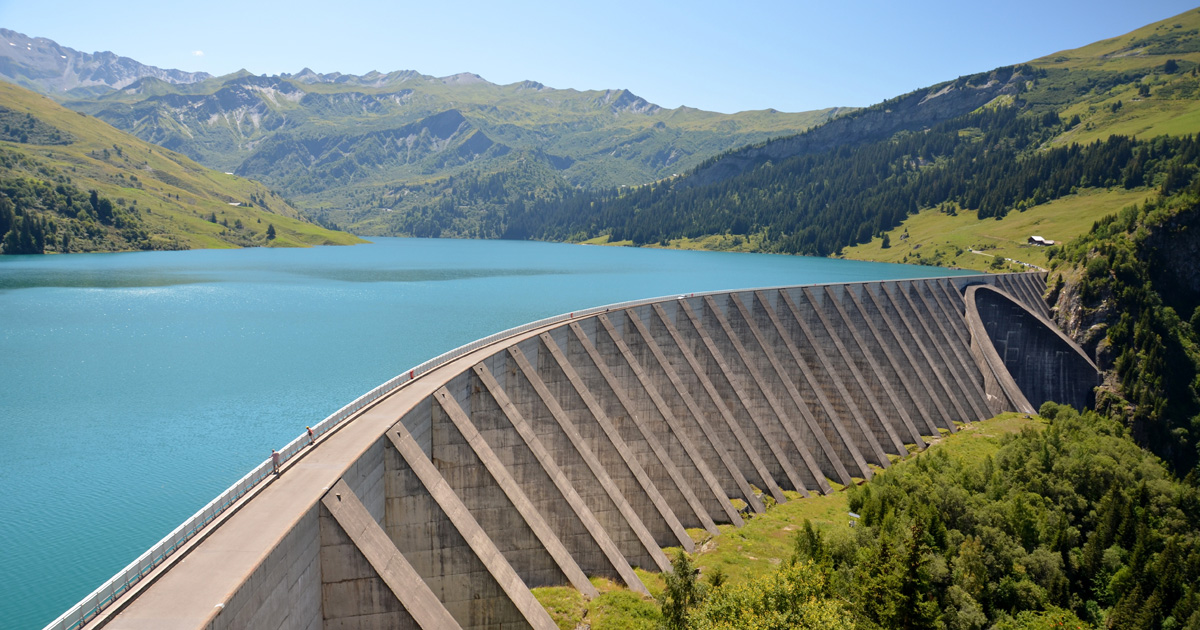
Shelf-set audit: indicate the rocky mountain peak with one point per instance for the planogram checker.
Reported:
(624, 101)
(463, 78)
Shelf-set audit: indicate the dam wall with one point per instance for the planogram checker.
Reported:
(582, 446)
(1043, 363)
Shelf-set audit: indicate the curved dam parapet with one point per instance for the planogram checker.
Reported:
(1032, 361)
(581, 446)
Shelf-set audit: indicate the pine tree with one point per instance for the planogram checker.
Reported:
(6, 215)
(917, 607)
(682, 592)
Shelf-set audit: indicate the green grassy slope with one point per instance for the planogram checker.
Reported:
(1087, 82)
(761, 545)
(174, 196)
(932, 237)
(1118, 69)
(1118, 86)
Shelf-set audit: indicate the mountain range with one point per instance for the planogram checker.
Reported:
(402, 153)
(353, 148)
(41, 65)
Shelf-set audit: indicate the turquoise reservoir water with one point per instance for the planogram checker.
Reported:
(136, 387)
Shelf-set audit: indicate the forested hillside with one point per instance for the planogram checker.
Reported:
(817, 204)
(1083, 120)
(71, 183)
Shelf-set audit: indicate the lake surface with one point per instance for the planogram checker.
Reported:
(136, 387)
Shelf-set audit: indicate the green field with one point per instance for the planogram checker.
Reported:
(761, 545)
(937, 238)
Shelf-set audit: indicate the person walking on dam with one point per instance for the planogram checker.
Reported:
(275, 460)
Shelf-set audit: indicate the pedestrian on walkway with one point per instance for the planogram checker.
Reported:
(310, 435)
(275, 460)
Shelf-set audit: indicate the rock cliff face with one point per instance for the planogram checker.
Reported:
(42, 65)
(1173, 249)
(911, 112)
(1086, 324)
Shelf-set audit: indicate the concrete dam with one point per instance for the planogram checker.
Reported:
(582, 445)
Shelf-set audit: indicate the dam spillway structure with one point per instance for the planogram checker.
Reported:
(581, 445)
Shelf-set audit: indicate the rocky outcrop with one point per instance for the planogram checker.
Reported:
(626, 102)
(1173, 249)
(1086, 322)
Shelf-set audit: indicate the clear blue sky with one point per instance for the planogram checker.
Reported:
(724, 56)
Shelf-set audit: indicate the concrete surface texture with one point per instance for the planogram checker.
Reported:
(1043, 363)
(583, 447)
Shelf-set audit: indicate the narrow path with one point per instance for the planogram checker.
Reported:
(1013, 260)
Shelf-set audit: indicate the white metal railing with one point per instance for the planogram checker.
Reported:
(103, 597)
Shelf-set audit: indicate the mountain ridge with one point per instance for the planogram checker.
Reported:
(44, 66)
(913, 111)
(588, 139)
